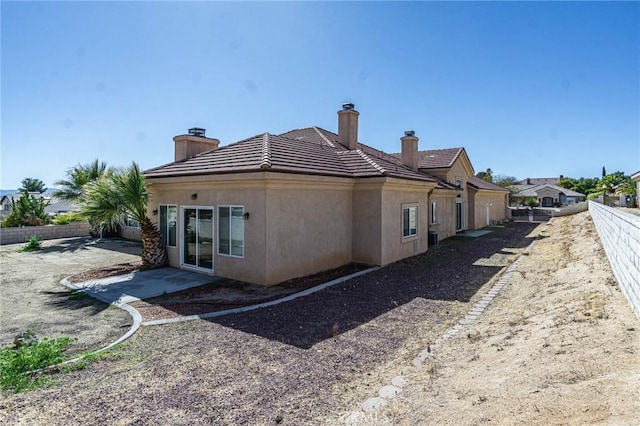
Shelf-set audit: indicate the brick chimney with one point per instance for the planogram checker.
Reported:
(410, 149)
(348, 126)
(187, 146)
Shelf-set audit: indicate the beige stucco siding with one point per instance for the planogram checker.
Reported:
(481, 199)
(248, 192)
(395, 197)
(367, 224)
(308, 228)
(446, 220)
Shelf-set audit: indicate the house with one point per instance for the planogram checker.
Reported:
(53, 208)
(277, 206)
(546, 194)
(636, 178)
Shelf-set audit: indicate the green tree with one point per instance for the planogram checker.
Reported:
(32, 185)
(122, 193)
(71, 188)
(28, 210)
(505, 181)
(486, 175)
(618, 183)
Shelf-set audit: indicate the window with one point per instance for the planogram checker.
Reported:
(434, 212)
(231, 230)
(168, 224)
(129, 222)
(409, 221)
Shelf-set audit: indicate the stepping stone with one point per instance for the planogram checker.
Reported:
(389, 391)
(399, 381)
(373, 404)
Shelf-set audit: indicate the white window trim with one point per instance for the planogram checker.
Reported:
(180, 238)
(434, 212)
(409, 207)
(167, 224)
(230, 206)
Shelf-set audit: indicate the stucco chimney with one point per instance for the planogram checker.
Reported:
(348, 126)
(187, 146)
(410, 149)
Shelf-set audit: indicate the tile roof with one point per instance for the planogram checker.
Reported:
(483, 184)
(540, 181)
(435, 158)
(532, 190)
(309, 151)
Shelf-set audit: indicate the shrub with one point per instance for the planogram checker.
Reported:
(67, 218)
(34, 243)
(28, 210)
(18, 364)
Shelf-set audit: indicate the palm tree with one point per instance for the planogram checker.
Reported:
(77, 177)
(122, 193)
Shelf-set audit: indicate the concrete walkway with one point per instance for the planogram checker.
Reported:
(139, 285)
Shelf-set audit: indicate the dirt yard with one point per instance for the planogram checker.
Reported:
(32, 298)
(560, 346)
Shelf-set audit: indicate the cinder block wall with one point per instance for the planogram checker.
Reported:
(620, 236)
(47, 232)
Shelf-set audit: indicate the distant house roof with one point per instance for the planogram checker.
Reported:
(532, 190)
(307, 151)
(483, 184)
(636, 176)
(55, 205)
(540, 181)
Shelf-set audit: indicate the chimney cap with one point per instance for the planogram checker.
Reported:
(197, 131)
(348, 106)
(410, 133)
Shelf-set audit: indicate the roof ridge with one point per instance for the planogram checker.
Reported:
(324, 138)
(265, 158)
(369, 160)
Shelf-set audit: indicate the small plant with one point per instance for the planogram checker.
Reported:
(19, 364)
(67, 218)
(34, 243)
(78, 295)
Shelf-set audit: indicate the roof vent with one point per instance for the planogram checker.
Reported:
(348, 106)
(197, 131)
(410, 133)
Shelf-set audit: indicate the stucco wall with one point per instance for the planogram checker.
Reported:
(620, 236)
(367, 223)
(130, 233)
(446, 226)
(47, 232)
(394, 198)
(308, 229)
(497, 202)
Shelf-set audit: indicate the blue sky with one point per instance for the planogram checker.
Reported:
(529, 89)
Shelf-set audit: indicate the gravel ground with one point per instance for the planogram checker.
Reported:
(296, 363)
(31, 296)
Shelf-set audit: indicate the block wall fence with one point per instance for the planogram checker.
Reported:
(620, 235)
(48, 232)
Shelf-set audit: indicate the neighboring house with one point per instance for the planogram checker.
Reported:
(273, 207)
(541, 181)
(636, 178)
(547, 195)
(54, 208)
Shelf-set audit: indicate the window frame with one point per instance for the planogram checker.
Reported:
(230, 253)
(165, 236)
(434, 212)
(408, 208)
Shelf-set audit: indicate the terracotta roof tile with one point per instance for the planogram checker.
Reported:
(310, 151)
(483, 184)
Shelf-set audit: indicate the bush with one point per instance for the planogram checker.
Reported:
(67, 218)
(33, 244)
(19, 363)
(28, 210)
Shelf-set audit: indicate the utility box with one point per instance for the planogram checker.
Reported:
(433, 238)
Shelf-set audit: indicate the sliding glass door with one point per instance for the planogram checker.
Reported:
(197, 249)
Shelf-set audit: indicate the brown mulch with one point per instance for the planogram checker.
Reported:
(228, 294)
(107, 271)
